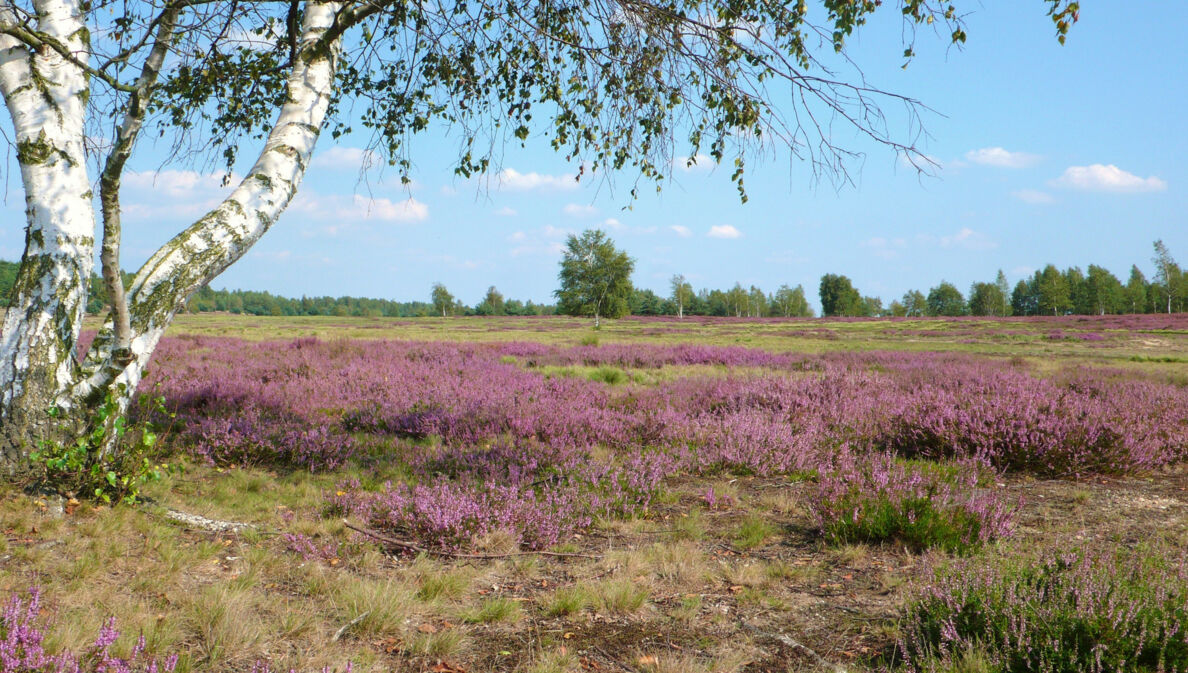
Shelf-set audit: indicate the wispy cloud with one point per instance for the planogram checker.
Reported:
(681, 230)
(341, 213)
(180, 184)
(173, 194)
(1033, 196)
(345, 158)
(1107, 178)
(513, 180)
(696, 162)
(724, 231)
(1001, 158)
(579, 210)
(967, 239)
(506, 212)
(885, 248)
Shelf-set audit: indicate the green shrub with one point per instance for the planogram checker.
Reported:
(608, 375)
(110, 461)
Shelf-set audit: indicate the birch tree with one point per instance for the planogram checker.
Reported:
(682, 293)
(612, 85)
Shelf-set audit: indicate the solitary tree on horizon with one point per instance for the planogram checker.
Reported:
(595, 277)
(442, 300)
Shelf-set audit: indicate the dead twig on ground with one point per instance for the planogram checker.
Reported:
(346, 627)
(608, 657)
(792, 643)
(212, 525)
(416, 548)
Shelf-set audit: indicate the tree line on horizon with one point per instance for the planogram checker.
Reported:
(1049, 291)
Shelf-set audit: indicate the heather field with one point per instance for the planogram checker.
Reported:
(528, 494)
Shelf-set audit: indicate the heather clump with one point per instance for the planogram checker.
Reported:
(1018, 422)
(1088, 609)
(878, 498)
(22, 634)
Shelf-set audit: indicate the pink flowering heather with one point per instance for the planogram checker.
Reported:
(489, 441)
(1091, 610)
(21, 648)
(877, 498)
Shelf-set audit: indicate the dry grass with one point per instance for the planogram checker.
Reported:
(668, 590)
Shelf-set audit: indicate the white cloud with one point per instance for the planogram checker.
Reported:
(1033, 196)
(408, 210)
(681, 230)
(578, 210)
(238, 37)
(173, 194)
(179, 184)
(513, 180)
(922, 162)
(885, 248)
(724, 231)
(345, 158)
(555, 232)
(506, 212)
(1101, 178)
(968, 239)
(517, 236)
(342, 213)
(697, 162)
(997, 156)
(612, 223)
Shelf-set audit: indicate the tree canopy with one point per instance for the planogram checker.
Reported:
(595, 277)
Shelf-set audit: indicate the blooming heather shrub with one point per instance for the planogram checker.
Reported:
(1093, 610)
(506, 441)
(541, 496)
(21, 651)
(309, 549)
(877, 498)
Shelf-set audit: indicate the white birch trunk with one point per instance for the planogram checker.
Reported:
(46, 97)
(37, 368)
(207, 247)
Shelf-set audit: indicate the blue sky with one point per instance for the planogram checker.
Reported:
(1067, 154)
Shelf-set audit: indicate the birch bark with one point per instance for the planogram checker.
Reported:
(46, 97)
(41, 331)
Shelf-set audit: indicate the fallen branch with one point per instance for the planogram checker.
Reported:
(348, 625)
(606, 655)
(791, 643)
(416, 548)
(212, 525)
